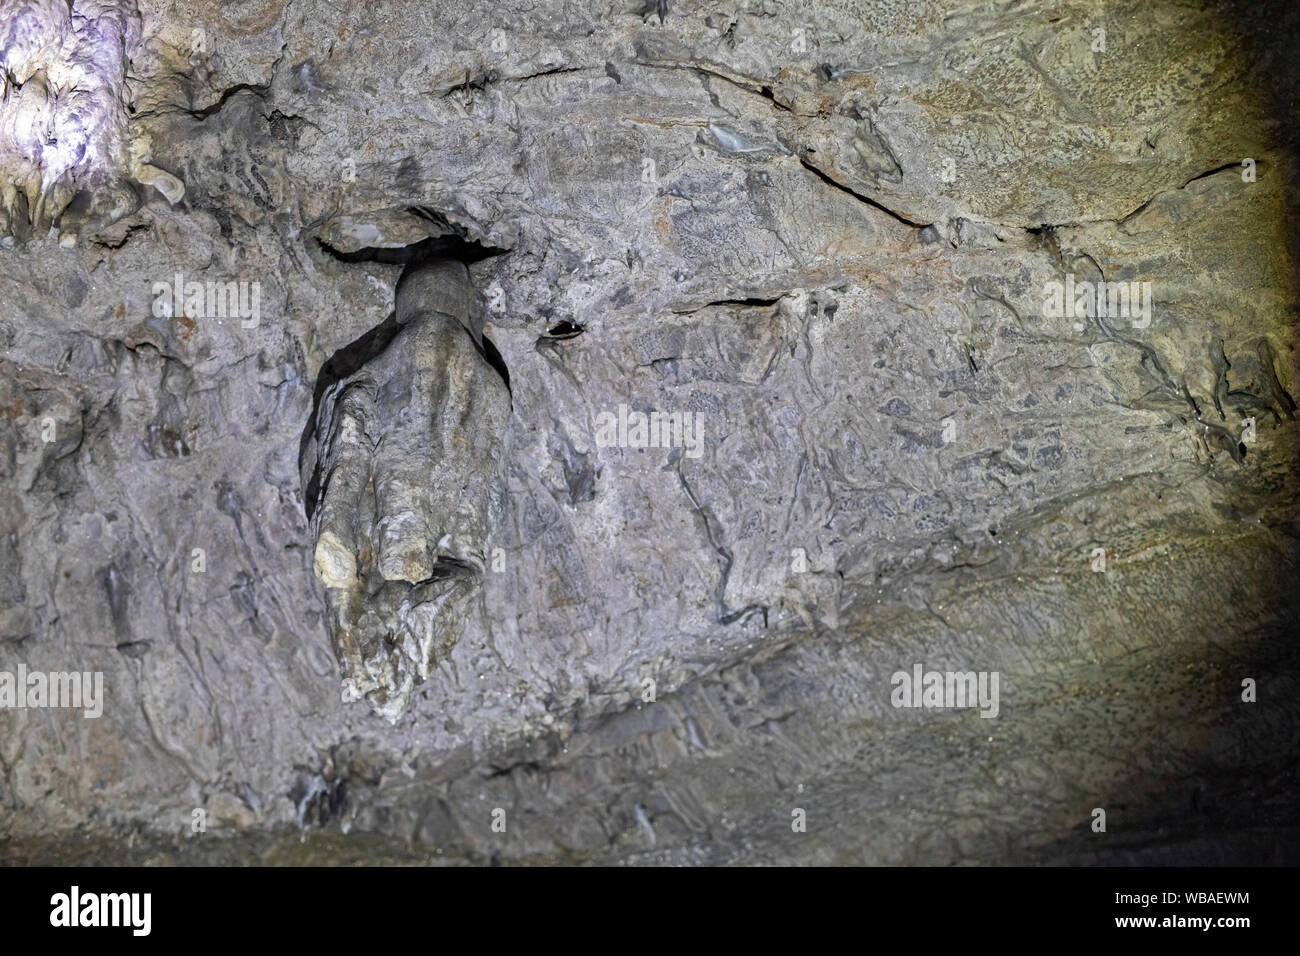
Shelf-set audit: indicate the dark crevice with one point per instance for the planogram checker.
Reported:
(447, 239)
(767, 94)
(1213, 172)
(553, 72)
(482, 80)
(741, 82)
(531, 766)
(753, 302)
(652, 7)
(824, 177)
(561, 331)
(478, 81)
(259, 90)
(494, 358)
(1205, 175)
(340, 365)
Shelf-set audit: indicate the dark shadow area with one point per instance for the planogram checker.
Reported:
(1235, 801)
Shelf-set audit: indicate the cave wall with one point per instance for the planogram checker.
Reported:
(826, 230)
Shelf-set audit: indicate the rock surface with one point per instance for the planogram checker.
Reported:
(402, 471)
(824, 232)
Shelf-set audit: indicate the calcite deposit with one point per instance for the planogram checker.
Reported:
(402, 470)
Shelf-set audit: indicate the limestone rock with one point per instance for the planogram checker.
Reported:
(829, 246)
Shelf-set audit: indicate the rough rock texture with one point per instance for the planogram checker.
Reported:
(65, 146)
(827, 232)
(402, 468)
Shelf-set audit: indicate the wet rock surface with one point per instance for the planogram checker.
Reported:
(825, 239)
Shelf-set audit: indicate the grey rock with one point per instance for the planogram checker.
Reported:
(402, 480)
(826, 232)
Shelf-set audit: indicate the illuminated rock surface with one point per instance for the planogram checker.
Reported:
(826, 233)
